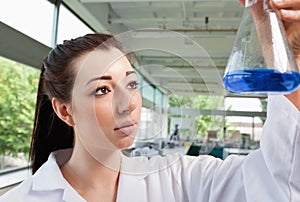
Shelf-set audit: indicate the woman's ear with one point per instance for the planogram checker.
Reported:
(63, 111)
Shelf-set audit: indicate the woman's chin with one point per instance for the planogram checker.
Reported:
(124, 143)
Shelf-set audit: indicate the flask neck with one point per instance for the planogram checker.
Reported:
(264, 3)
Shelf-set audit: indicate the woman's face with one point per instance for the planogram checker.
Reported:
(106, 103)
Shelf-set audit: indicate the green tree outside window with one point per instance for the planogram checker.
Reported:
(18, 88)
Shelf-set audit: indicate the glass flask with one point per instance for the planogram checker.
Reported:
(261, 60)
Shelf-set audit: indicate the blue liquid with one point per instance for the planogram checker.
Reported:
(261, 80)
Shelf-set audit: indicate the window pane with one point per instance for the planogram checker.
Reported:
(243, 104)
(244, 125)
(69, 26)
(18, 89)
(140, 81)
(33, 18)
(158, 97)
(148, 91)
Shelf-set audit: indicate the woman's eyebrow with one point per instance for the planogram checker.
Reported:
(130, 72)
(105, 77)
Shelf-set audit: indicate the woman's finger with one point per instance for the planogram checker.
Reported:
(281, 4)
(290, 15)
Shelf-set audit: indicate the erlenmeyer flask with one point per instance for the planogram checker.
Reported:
(261, 60)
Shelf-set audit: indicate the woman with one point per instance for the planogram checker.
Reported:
(88, 102)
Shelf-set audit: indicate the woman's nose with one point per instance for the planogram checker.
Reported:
(125, 101)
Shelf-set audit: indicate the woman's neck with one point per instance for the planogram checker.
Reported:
(93, 177)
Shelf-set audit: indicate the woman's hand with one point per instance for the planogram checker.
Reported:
(289, 9)
(289, 12)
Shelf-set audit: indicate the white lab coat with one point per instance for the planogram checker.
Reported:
(270, 174)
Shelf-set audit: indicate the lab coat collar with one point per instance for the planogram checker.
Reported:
(49, 176)
(133, 169)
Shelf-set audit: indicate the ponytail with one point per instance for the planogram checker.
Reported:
(50, 133)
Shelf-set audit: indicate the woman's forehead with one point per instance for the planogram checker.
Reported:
(102, 62)
(102, 58)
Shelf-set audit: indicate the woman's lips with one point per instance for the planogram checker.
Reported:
(127, 129)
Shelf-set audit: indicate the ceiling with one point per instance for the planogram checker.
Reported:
(183, 46)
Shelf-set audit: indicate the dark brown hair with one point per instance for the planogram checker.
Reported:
(57, 77)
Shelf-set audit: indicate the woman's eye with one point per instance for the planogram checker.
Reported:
(102, 90)
(133, 85)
